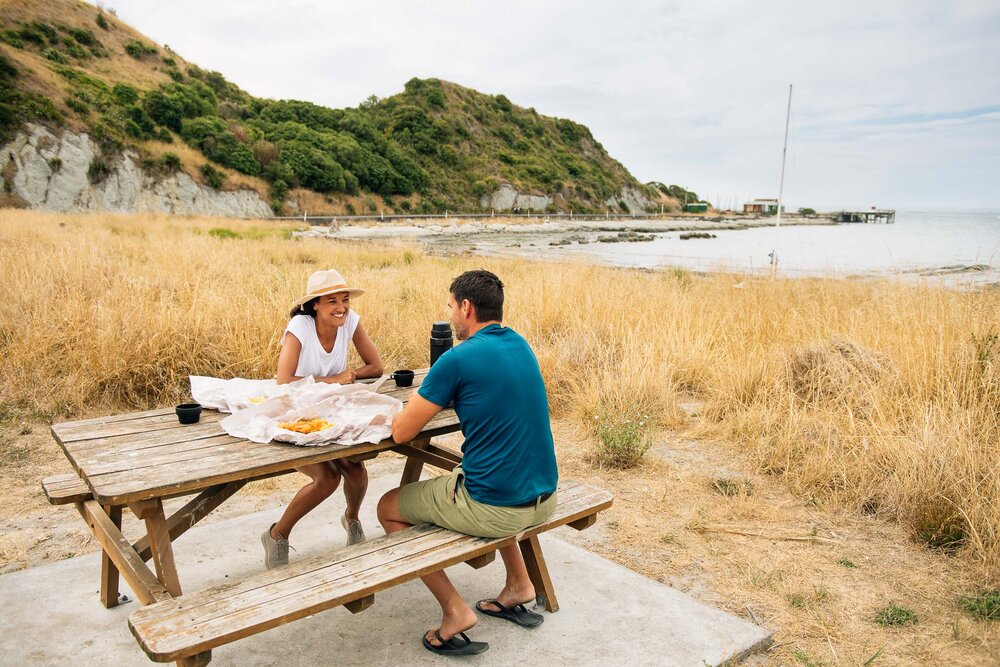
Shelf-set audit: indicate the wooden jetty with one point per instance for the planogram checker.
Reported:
(885, 216)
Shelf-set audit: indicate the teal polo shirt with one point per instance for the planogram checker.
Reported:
(494, 380)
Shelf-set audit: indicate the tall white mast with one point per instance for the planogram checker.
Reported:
(781, 186)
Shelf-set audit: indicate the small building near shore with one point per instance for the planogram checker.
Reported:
(765, 206)
(696, 207)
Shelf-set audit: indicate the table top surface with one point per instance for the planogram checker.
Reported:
(143, 455)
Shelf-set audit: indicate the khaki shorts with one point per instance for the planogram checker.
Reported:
(445, 502)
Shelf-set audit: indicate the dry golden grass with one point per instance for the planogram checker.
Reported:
(864, 414)
(882, 397)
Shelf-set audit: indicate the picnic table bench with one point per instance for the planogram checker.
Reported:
(138, 460)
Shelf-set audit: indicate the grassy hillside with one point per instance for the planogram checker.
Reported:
(436, 146)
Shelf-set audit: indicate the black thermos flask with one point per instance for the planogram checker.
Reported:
(440, 339)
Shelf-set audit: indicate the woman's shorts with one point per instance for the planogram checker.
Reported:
(445, 502)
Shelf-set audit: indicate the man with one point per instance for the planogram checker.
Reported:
(508, 476)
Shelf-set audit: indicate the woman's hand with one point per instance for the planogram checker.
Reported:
(347, 377)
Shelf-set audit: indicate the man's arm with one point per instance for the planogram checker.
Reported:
(414, 417)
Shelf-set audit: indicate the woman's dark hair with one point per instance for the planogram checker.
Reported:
(483, 290)
(308, 308)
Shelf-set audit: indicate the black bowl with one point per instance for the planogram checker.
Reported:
(188, 413)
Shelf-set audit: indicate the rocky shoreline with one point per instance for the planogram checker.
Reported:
(507, 236)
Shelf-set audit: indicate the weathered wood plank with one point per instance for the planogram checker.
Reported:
(65, 489)
(414, 464)
(134, 427)
(372, 553)
(213, 617)
(117, 418)
(538, 572)
(194, 511)
(161, 549)
(109, 573)
(142, 582)
(359, 605)
(424, 456)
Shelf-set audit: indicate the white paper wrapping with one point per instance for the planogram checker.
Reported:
(357, 414)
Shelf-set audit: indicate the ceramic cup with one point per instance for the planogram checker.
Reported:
(403, 378)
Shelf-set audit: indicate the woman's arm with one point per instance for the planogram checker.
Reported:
(372, 367)
(288, 359)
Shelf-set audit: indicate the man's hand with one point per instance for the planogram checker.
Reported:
(414, 417)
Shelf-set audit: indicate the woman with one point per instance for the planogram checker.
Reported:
(320, 329)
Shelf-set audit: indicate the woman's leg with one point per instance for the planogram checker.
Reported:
(325, 479)
(355, 486)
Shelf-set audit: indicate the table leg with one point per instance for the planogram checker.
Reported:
(151, 511)
(143, 583)
(534, 561)
(194, 511)
(411, 471)
(109, 573)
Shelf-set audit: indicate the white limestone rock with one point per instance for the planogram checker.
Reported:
(50, 171)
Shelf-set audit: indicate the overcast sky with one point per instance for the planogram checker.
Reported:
(895, 103)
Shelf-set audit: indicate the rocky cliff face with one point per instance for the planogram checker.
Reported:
(634, 201)
(50, 171)
(506, 198)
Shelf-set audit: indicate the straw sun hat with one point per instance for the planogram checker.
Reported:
(326, 282)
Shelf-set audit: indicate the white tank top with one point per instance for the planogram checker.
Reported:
(313, 359)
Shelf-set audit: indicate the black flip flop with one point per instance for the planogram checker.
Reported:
(454, 647)
(517, 614)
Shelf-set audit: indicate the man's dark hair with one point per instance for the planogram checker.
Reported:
(483, 290)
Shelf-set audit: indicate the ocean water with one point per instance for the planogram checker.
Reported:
(961, 245)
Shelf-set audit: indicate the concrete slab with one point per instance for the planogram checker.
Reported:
(609, 614)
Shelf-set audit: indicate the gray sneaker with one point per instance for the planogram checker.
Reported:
(275, 550)
(355, 533)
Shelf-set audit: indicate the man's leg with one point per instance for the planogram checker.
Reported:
(518, 588)
(456, 615)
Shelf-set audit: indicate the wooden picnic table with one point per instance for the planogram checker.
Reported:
(138, 460)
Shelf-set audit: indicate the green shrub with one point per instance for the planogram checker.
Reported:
(895, 616)
(169, 62)
(78, 106)
(39, 33)
(55, 164)
(170, 161)
(807, 211)
(176, 75)
(102, 22)
(84, 37)
(125, 94)
(435, 98)
(98, 170)
(163, 134)
(985, 605)
(623, 438)
(12, 38)
(54, 56)
(223, 232)
(138, 50)
(214, 178)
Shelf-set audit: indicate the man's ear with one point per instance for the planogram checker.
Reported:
(468, 310)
